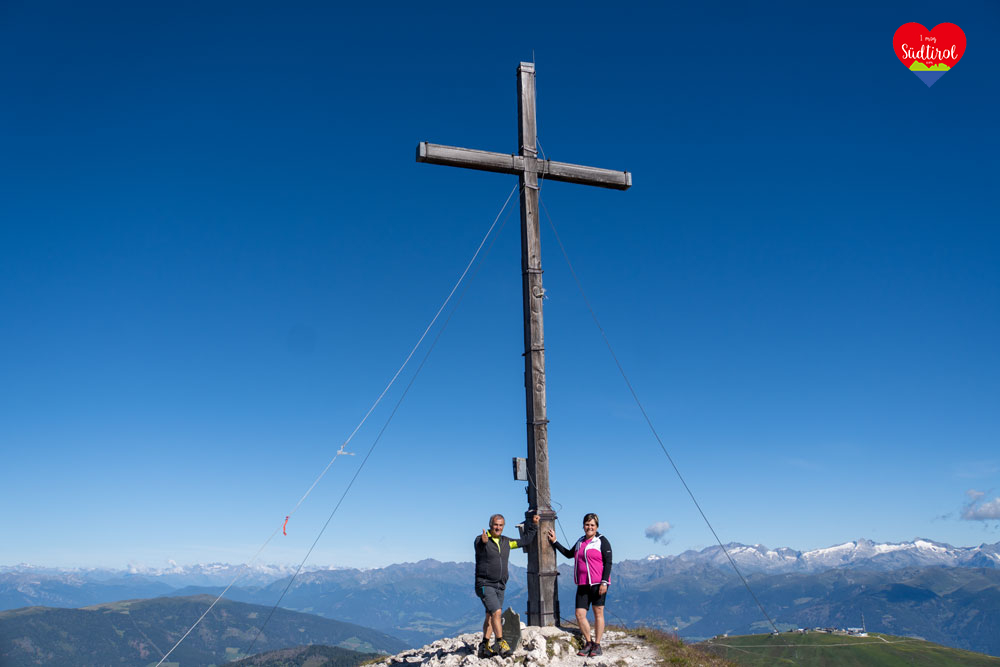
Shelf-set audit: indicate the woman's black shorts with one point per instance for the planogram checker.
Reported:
(589, 595)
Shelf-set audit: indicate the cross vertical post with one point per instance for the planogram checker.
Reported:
(543, 599)
(543, 592)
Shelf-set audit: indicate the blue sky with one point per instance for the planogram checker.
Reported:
(216, 248)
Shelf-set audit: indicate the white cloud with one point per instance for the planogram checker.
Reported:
(979, 510)
(658, 531)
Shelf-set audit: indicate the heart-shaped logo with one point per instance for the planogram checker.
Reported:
(929, 53)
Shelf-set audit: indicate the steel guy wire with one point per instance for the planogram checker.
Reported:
(412, 351)
(645, 415)
(371, 449)
(340, 451)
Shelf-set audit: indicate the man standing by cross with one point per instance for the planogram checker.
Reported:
(492, 555)
(543, 600)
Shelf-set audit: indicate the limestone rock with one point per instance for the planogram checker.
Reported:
(540, 647)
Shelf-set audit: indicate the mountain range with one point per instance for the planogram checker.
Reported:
(859, 554)
(950, 595)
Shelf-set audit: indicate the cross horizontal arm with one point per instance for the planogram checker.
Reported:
(517, 164)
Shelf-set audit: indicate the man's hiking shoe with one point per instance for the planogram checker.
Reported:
(504, 649)
(485, 650)
(585, 651)
(595, 650)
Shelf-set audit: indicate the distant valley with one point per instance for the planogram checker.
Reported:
(141, 631)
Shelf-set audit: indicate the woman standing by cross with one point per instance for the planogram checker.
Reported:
(592, 574)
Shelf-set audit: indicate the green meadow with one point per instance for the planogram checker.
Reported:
(823, 650)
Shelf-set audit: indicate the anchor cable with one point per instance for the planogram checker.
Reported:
(341, 450)
(649, 422)
(392, 414)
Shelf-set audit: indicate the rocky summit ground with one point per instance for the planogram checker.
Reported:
(551, 647)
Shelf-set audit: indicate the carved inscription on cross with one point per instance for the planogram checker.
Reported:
(543, 600)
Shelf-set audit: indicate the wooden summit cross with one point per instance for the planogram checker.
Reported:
(543, 594)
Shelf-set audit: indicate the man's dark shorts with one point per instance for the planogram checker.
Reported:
(491, 596)
(589, 595)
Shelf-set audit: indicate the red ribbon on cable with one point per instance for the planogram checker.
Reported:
(283, 531)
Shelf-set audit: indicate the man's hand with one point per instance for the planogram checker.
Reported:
(603, 589)
(485, 537)
(535, 519)
(551, 535)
